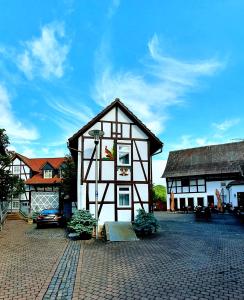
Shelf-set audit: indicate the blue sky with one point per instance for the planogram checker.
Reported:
(178, 65)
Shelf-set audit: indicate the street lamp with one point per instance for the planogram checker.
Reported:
(96, 134)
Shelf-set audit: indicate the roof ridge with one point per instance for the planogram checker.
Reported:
(206, 146)
(108, 108)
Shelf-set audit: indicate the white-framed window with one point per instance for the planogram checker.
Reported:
(124, 196)
(48, 174)
(16, 170)
(61, 172)
(124, 155)
(15, 204)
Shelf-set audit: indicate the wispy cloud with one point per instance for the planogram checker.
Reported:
(226, 125)
(163, 82)
(9, 121)
(69, 115)
(45, 56)
(113, 7)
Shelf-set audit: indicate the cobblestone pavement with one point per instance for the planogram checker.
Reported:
(63, 281)
(185, 260)
(27, 258)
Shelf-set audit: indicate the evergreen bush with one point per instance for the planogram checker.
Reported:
(145, 223)
(82, 223)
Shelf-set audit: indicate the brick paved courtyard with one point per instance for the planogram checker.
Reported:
(185, 260)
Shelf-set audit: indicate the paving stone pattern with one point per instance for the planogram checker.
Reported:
(62, 283)
(26, 258)
(186, 260)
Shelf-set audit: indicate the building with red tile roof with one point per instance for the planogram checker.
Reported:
(42, 178)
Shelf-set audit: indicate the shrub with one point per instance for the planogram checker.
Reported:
(82, 222)
(145, 223)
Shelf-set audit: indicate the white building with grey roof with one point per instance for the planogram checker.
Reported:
(194, 175)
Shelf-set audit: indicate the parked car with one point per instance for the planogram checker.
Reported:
(50, 217)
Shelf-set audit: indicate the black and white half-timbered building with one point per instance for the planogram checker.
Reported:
(194, 175)
(42, 178)
(125, 164)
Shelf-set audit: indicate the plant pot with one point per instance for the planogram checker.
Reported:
(85, 236)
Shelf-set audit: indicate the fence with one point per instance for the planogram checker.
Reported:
(3, 212)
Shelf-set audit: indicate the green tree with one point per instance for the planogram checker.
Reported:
(10, 185)
(159, 193)
(69, 182)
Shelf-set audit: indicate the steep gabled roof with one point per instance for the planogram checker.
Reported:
(214, 159)
(36, 165)
(38, 179)
(156, 144)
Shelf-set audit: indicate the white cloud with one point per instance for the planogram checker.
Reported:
(226, 125)
(113, 8)
(70, 117)
(163, 82)
(28, 152)
(189, 141)
(14, 128)
(45, 56)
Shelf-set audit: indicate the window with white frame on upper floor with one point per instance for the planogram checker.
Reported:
(47, 173)
(124, 196)
(124, 155)
(16, 169)
(61, 172)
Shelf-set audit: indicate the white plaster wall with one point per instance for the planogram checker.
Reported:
(123, 117)
(213, 185)
(124, 215)
(107, 170)
(89, 147)
(107, 129)
(135, 155)
(123, 178)
(96, 126)
(107, 213)
(16, 161)
(142, 148)
(91, 174)
(137, 133)
(26, 169)
(143, 191)
(126, 131)
(81, 203)
(101, 188)
(137, 172)
(188, 195)
(110, 193)
(110, 116)
(233, 193)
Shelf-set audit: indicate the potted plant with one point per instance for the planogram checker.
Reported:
(145, 223)
(81, 224)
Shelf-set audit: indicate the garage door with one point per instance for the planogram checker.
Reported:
(43, 200)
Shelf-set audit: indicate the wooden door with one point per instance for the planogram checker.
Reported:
(240, 199)
(210, 201)
(200, 201)
(191, 203)
(182, 203)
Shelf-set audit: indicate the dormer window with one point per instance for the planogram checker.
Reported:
(47, 173)
(61, 173)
